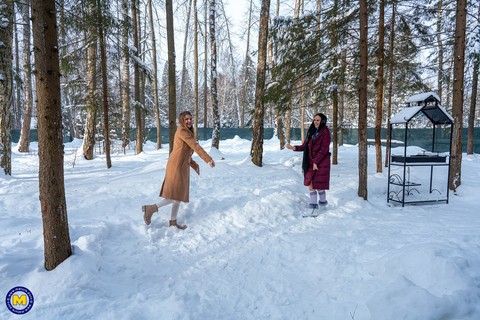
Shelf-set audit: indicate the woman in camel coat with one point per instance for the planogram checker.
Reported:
(176, 185)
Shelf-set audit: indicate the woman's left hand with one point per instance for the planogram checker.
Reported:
(197, 170)
(211, 163)
(315, 166)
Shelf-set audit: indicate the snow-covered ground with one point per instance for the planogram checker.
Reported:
(247, 252)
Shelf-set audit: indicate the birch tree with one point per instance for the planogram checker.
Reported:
(125, 87)
(24, 142)
(205, 65)
(17, 105)
(91, 78)
(213, 75)
(56, 236)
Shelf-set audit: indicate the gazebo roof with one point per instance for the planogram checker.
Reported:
(428, 104)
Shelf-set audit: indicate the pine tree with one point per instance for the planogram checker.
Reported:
(172, 95)
(458, 96)
(57, 245)
(6, 85)
(256, 151)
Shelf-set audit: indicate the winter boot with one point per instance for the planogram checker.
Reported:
(173, 223)
(312, 206)
(148, 211)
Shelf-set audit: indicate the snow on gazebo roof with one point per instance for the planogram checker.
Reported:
(426, 103)
(423, 98)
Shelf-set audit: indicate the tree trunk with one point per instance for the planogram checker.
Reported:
(184, 103)
(125, 88)
(70, 110)
(89, 136)
(172, 95)
(57, 246)
(213, 77)
(302, 111)
(195, 69)
(473, 104)
(246, 70)
(17, 106)
(232, 65)
(473, 99)
(205, 67)
(136, 79)
(379, 85)
(6, 85)
(341, 111)
(103, 54)
(257, 139)
(281, 135)
(24, 142)
(143, 75)
(390, 81)
(363, 107)
(277, 119)
(440, 49)
(288, 119)
(155, 77)
(335, 127)
(336, 79)
(458, 85)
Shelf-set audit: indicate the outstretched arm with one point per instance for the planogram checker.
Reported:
(192, 143)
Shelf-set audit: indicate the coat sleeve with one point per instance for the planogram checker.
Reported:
(324, 147)
(300, 147)
(193, 164)
(188, 138)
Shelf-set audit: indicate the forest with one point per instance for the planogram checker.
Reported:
(105, 71)
(312, 64)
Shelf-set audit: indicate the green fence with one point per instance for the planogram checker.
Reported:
(416, 137)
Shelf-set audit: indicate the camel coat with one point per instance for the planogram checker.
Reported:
(176, 185)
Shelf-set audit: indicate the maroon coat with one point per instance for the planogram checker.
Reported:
(318, 152)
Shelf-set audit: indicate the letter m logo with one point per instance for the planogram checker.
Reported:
(22, 300)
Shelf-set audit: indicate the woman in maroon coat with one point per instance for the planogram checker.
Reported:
(316, 160)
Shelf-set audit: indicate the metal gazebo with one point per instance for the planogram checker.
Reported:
(401, 187)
